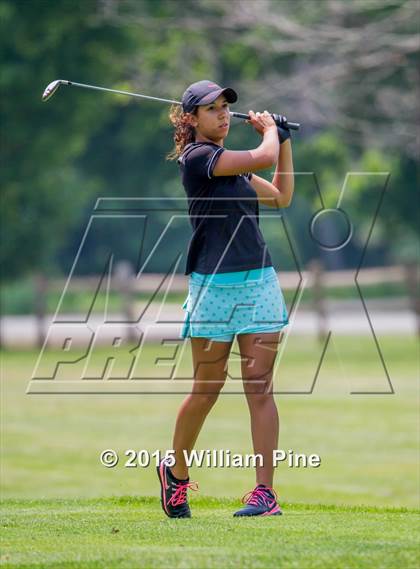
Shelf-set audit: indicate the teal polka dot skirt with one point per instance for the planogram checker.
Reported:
(220, 305)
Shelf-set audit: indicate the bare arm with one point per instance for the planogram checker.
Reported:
(233, 162)
(284, 179)
(279, 192)
(267, 194)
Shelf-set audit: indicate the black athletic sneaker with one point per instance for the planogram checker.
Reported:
(262, 501)
(173, 493)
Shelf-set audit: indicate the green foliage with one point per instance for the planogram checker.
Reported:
(43, 192)
(59, 156)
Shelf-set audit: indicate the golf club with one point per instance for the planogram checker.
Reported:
(52, 88)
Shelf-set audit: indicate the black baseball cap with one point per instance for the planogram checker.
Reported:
(205, 92)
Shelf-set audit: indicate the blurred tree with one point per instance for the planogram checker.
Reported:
(346, 70)
(43, 193)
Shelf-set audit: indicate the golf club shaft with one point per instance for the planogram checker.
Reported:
(280, 120)
(74, 84)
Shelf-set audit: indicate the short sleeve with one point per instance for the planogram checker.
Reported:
(200, 161)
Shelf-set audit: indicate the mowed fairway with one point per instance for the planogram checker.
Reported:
(62, 508)
(131, 532)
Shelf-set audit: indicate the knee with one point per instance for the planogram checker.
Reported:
(205, 400)
(207, 395)
(259, 402)
(259, 392)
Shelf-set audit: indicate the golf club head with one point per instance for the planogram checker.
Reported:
(52, 88)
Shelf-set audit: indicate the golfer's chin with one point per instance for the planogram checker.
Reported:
(221, 133)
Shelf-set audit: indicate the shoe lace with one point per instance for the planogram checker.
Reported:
(180, 495)
(259, 495)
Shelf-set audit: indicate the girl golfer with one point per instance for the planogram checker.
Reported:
(233, 287)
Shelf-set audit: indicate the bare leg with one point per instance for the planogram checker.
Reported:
(258, 353)
(210, 371)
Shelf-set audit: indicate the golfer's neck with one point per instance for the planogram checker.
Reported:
(201, 138)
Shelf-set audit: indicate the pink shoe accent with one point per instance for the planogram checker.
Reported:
(253, 497)
(273, 511)
(162, 473)
(258, 495)
(180, 495)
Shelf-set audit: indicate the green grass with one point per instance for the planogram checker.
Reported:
(131, 532)
(60, 504)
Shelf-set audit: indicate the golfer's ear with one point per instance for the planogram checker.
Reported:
(191, 119)
(233, 162)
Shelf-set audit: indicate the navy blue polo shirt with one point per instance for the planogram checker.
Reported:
(224, 215)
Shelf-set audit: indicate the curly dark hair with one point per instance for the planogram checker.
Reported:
(184, 132)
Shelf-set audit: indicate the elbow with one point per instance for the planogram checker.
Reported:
(263, 157)
(285, 198)
(282, 203)
(268, 159)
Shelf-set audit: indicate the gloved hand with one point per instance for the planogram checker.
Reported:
(284, 133)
